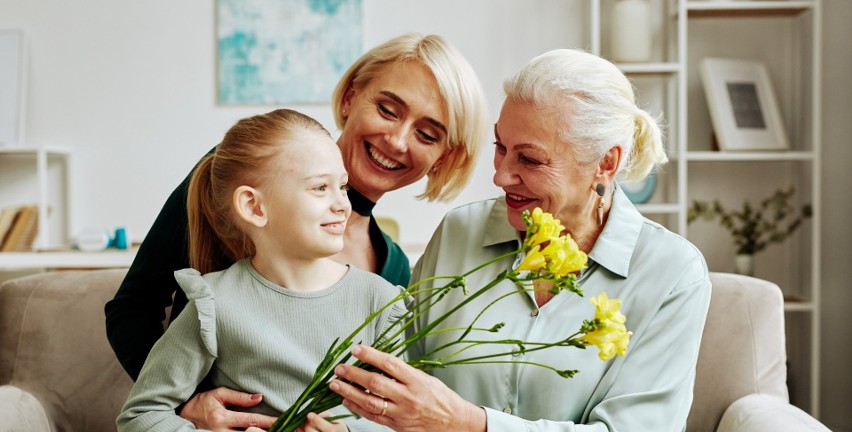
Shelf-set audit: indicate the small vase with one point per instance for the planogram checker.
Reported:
(631, 31)
(744, 264)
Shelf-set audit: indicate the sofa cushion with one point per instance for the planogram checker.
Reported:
(20, 411)
(742, 348)
(53, 345)
(762, 413)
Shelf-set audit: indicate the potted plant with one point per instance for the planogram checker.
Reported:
(754, 228)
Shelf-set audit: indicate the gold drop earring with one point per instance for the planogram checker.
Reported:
(601, 190)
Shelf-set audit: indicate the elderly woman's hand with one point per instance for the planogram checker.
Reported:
(209, 410)
(410, 400)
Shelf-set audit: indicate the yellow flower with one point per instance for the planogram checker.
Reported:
(534, 261)
(607, 309)
(564, 256)
(610, 334)
(548, 252)
(544, 227)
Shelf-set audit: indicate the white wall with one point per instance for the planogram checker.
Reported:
(130, 87)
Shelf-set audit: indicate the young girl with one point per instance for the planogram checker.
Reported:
(273, 195)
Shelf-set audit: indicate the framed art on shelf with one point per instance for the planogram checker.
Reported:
(743, 108)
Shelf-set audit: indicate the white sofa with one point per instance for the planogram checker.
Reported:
(741, 380)
(57, 371)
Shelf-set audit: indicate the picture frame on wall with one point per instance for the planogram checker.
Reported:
(272, 52)
(743, 108)
(12, 87)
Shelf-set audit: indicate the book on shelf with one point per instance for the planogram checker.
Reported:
(22, 231)
(7, 217)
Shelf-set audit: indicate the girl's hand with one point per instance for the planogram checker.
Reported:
(209, 410)
(406, 399)
(318, 423)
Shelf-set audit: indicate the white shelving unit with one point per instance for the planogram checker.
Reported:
(43, 176)
(39, 176)
(784, 34)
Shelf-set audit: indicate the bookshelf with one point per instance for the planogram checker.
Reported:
(785, 35)
(42, 177)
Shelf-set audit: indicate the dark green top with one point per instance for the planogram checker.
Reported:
(134, 317)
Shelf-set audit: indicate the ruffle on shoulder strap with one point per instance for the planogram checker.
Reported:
(198, 291)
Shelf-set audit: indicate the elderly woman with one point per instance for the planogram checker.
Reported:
(409, 108)
(568, 127)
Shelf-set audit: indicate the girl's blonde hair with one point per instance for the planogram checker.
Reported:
(460, 89)
(601, 112)
(242, 158)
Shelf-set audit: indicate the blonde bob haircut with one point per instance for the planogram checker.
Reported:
(460, 89)
(600, 104)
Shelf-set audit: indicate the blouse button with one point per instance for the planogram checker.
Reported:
(534, 313)
(507, 410)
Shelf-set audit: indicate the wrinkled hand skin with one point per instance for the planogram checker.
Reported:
(209, 410)
(416, 401)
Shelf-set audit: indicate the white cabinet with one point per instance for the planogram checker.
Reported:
(785, 36)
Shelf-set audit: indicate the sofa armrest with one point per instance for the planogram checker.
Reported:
(21, 411)
(762, 413)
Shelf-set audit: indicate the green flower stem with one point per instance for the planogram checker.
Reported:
(417, 310)
(468, 329)
(426, 330)
(488, 306)
(569, 341)
(409, 317)
(492, 303)
(563, 373)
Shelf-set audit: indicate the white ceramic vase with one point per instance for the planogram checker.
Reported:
(744, 264)
(630, 39)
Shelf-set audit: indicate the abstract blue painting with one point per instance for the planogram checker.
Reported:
(276, 52)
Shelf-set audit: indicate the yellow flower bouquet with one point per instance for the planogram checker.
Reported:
(550, 262)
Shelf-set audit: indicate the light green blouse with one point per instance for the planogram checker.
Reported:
(663, 283)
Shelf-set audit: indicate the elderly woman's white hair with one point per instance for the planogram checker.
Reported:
(601, 108)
